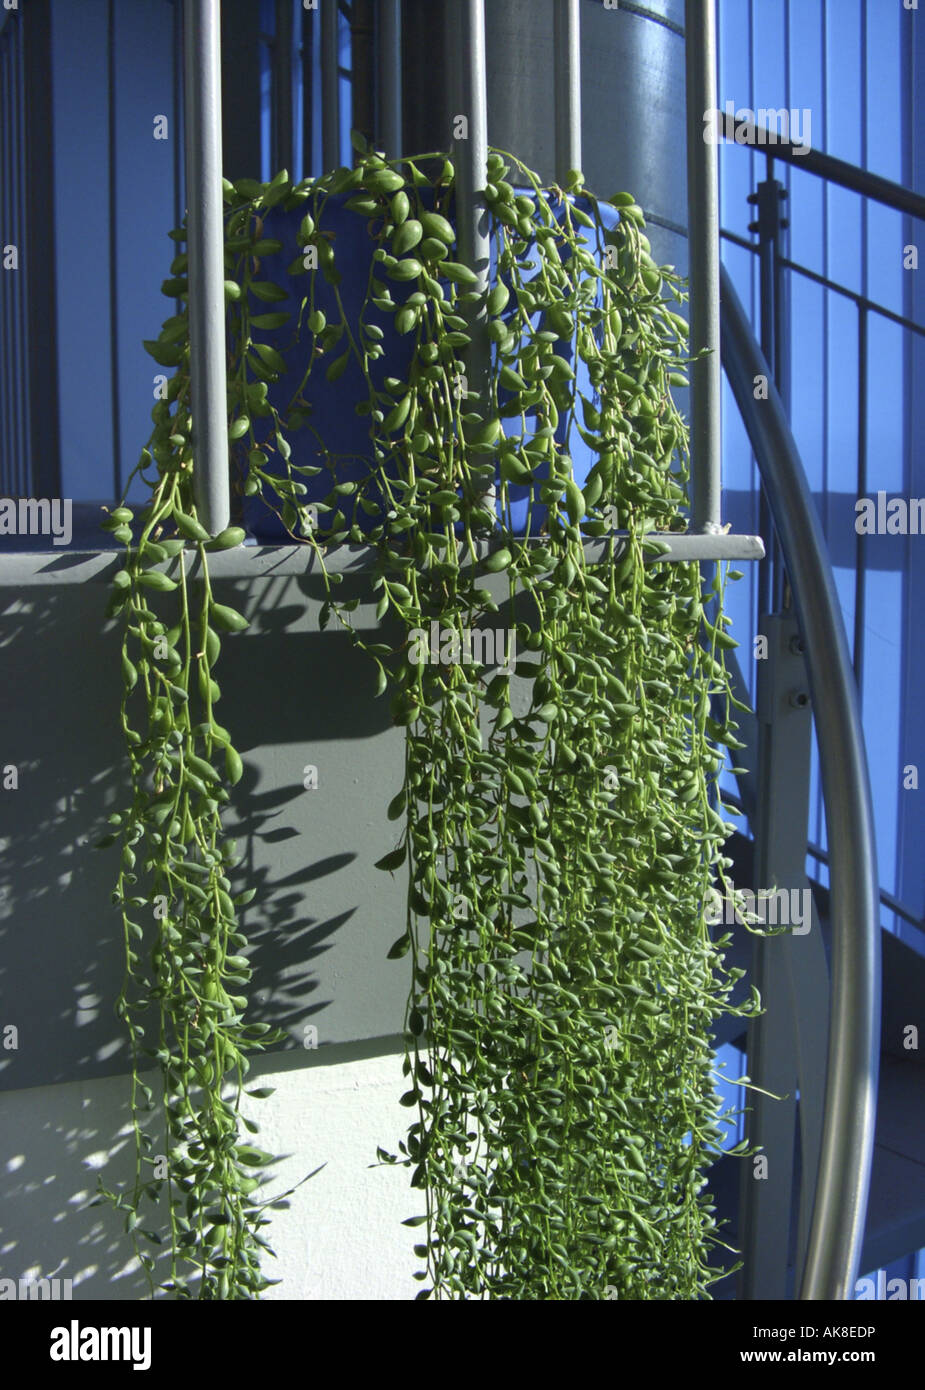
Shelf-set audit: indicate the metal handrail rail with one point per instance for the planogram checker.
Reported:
(815, 851)
(824, 166)
(846, 1155)
(861, 301)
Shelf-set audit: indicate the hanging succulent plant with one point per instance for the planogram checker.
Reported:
(559, 819)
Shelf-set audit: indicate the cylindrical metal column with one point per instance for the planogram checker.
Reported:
(389, 72)
(567, 58)
(206, 260)
(703, 235)
(632, 79)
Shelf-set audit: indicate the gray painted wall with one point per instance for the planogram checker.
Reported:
(323, 918)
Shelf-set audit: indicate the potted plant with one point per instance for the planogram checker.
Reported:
(557, 819)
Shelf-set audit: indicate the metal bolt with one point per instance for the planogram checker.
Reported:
(797, 645)
(799, 699)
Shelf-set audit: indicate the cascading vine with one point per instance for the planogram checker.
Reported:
(560, 820)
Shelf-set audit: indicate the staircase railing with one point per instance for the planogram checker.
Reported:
(843, 1180)
(851, 1084)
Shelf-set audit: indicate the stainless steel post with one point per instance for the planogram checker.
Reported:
(470, 156)
(703, 242)
(330, 86)
(390, 86)
(206, 263)
(567, 60)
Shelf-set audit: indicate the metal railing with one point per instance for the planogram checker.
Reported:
(853, 1056)
(843, 1180)
(770, 225)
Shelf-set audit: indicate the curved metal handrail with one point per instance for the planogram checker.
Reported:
(846, 1154)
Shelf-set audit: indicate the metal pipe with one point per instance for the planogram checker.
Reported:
(282, 78)
(362, 64)
(9, 462)
(843, 1182)
(113, 227)
(703, 244)
(330, 86)
(860, 575)
(206, 252)
(470, 156)
(389, 18)
(770, 225)
(567, 61)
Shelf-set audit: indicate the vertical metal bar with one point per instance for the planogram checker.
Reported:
(177, 118)
(362, 68)
(767, 284)
(860, 577)
(20, 379)
(781, 363)
(703, 243)
(113, 262)
(390, 78)
(779, 860)
(282, 88)
(297, 168)
(330, 86)
(40, 373)
(12, 373)
(770, 225)
(567, 60)
(308, 94)
(19, 165)
(7, 357)
(470, 157)
(206, 247)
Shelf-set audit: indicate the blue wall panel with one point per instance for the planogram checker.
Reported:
(145, 208)
(106, 377)
(80, 74)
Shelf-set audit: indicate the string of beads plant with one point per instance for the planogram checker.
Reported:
(559, 820)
